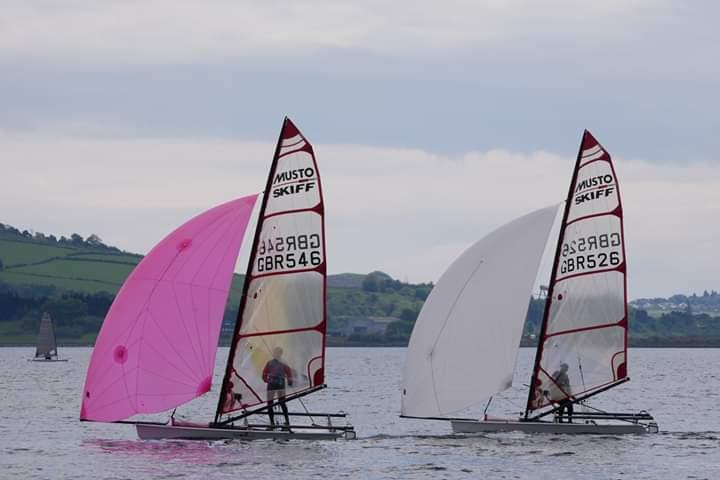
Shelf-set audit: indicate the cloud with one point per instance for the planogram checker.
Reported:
(405, 211)
(177, 31)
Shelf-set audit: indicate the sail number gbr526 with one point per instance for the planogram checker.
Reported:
(290, 252)
(591, 252)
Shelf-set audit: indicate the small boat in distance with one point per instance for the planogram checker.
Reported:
(156, 349)
(46, 344)
(463, 348)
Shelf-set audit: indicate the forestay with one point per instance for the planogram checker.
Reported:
(585, 323)
(46, 344)
(465, 341)
(283, 301)
(156, 349)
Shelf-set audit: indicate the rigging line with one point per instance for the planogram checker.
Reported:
(582, 376)
(312, 419)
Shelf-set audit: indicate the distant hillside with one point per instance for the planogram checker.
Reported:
(76, 279)
(706, 303)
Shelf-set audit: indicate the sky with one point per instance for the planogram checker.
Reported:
(433, 122)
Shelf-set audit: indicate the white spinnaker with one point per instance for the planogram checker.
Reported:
(465, 341)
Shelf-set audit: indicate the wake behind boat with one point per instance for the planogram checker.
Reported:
(46, 344)
(456, 359)
(156, 349)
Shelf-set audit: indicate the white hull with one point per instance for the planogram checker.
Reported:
(148, 431)
(489, 426)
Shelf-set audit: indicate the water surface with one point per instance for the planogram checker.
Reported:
(41, 438)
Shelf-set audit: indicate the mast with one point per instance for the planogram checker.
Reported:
(248, 274)
(551, 286)
(282, 312)
(583, 334)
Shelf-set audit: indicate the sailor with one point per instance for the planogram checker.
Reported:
(275, 374)
(562, 394)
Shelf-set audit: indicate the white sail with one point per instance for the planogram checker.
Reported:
(584, 333)
(465, 341)
(283, 308)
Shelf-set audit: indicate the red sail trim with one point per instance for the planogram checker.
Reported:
(296, 143)
(298, 210)
(291, 182)
(313, 382)
(319, 269)
(290, 152)
(617, 374)
(612, 213)
(314, 328)
(585, 329)
(619, 213)
(601, 159)
(620, 268)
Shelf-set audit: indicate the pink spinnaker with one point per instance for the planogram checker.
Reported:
(156, 349)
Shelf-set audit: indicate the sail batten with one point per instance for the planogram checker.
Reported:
(282, 314)
(583, 338)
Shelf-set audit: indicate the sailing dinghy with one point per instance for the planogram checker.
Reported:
(463, 348)
(46, 344)
(156, 349)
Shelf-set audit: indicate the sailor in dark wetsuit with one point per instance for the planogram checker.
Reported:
(276, 374)
(562, 381)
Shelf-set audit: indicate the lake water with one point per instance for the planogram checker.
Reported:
(41, 438)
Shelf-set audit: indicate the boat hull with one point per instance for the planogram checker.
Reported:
(45, 360)
(148, 431)
(490, 426)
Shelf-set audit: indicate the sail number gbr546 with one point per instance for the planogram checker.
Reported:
(591, 252)
(289, 252)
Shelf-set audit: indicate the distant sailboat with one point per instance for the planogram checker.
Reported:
(46, 344)
(463, 348)
(156, 349)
